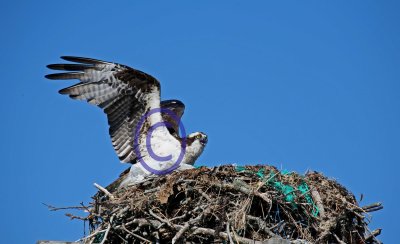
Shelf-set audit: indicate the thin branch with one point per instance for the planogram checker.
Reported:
(373, 234)
(107, 231)
(262, 225)
(373, 207)
(180, 233)
(52, 208)
(204, 194)
(135, 235)
(152, 190)
(338, 239)
(104, 190)
(160, 219)
(186, 227)
(229, 233)
(91, 235)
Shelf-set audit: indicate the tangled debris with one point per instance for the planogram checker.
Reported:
(230, 204)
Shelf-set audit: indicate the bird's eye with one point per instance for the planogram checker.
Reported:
(198, 136)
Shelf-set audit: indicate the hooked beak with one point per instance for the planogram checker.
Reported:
(204, 140)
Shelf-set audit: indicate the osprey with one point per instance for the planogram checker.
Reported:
(144, 130)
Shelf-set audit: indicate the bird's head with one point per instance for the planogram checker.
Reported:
(196, 142)
(197, 138)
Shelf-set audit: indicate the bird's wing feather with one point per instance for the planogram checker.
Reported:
(177, 108)
(125, 94)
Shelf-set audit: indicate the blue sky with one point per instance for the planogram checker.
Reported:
(296, 84)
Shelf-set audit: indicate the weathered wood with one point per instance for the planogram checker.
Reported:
(373, 234)
(318, 201)
(373, 207)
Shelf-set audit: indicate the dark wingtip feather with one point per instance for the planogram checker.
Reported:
(70, 90)
(83, 60)
(69, 67)
(48, 77)
(52, 76)
(64, 76)
(63, 91)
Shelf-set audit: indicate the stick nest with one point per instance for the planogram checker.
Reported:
(253, 204)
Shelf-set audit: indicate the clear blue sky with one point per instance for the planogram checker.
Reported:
(296, 84)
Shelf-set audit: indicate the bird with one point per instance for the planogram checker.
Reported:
(145, 131)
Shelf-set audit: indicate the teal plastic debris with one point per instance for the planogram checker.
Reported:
(304, 189)
(287, 190)
(260, 173)
(286, 172)
(240, 168)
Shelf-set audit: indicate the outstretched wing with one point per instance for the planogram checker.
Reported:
(125, 94)
(177, 108)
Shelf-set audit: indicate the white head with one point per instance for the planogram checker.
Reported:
(196, 142)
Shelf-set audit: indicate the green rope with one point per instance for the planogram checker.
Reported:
(287, 190)
(304, 189)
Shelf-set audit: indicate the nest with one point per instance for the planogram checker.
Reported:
(253, 204)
